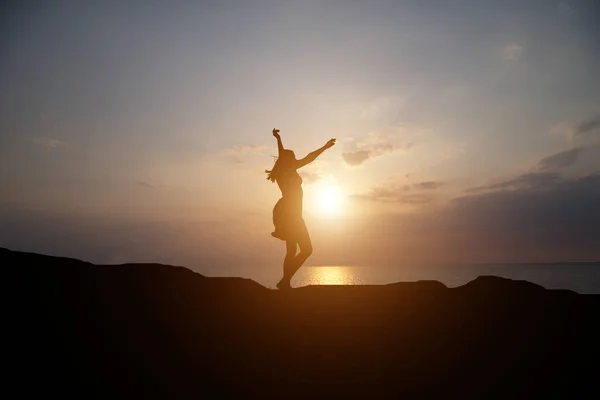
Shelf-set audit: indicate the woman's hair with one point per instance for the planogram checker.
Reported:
(280, 165)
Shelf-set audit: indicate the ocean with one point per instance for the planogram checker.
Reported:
(582, 278)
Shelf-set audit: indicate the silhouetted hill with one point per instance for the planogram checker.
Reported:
(151, 330)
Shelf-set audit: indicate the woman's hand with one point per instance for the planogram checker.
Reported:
(330, 143)
(276, 133)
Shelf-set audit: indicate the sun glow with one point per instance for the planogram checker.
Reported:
(331, 200)
(329, 276)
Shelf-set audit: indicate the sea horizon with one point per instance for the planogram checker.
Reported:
(580, 277)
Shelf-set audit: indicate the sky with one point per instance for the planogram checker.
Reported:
(139, 131)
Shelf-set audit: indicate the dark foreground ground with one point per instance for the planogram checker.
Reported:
(139, 331)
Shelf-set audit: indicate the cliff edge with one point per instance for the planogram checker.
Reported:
(152, 330)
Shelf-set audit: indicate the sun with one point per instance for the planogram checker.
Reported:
(331, 200)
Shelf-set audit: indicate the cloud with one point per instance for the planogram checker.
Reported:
(559, 223)
(145, 184)
(428, 185)
(366, 151)
(512, 51)
(49, 142)
(356, 158)
(565, 213)
(581, 129)
(543, 176)
(415, 194)
(586, 126)
(560, 160)
(528, 181)
(537, 216)
(392, 196)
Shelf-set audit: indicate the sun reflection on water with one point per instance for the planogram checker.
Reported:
(328, 275)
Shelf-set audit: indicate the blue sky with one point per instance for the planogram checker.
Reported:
(155, 117)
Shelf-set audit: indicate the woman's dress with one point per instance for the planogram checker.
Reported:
(287, 213)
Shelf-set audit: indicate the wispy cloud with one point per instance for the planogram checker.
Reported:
(145, 184)
(583, 128)
(378, 147)
(355, 158)
(542, 175)
(49, 142)
(560, 160)
(415, 194)
(562, 219)
(531, 180)
(586, 126)
(512, 51)
(390, 196)
(428, 185)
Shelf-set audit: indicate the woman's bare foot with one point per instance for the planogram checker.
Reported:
(284, 284)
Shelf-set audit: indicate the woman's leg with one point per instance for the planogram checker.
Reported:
(288, 264)
(306, 249)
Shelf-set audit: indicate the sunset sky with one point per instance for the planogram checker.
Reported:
(467, 131)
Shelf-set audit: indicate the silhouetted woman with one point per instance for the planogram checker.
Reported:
(287, 213)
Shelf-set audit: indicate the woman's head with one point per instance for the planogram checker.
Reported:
(287, 156)
(284, 161)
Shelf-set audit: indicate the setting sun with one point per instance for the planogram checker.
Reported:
(331, 200)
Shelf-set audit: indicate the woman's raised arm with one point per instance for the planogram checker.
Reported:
(279, 143)
(312, 156)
